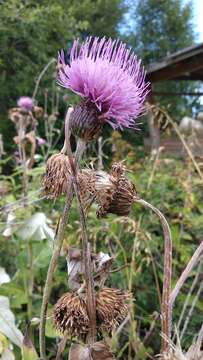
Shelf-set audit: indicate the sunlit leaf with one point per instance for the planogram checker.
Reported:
(4, 277)
(36, 228)
(7, 323)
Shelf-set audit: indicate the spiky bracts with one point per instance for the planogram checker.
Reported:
(114, 192)
(70, 311)
(112, 307)
(70, 315)
(57, 176)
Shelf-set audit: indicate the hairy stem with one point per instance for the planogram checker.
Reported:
(166, 310)
(58, 241)
(86, 251)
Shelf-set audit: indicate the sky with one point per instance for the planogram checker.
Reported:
(198, 18)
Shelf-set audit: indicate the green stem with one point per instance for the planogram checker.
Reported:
(58, 241)
(30, 281)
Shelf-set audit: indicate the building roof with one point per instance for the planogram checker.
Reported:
(186, 64)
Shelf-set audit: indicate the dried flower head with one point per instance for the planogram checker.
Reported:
(25, 103)
(38, 111)
(70, 315)
(86, 179)
(114, 192)
(111, 81)
(19, 117)
(112, 308)
(57, 176)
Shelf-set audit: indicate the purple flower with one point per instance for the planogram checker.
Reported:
(107, 74)
(25, 103)
(41, 141)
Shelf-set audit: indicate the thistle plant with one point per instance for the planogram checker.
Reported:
(110, 82)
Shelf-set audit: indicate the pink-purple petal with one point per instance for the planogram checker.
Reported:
(106, 73)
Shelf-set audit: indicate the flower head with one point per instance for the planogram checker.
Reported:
(105, 73)
(57, 176)
(112, 307)
(70, 315)
(41, 141)
(25, 103)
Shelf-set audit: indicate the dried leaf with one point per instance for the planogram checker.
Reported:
(98, 351)
(101, 351)
(74, 265)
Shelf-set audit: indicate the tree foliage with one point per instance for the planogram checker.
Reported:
(162, 28)
(33, 31)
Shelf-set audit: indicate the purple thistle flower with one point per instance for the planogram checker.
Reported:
(104, 72)
(25, 103)
(41, 141)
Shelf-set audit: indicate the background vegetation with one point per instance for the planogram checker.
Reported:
(30, 34)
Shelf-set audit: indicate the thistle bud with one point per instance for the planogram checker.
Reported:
(57, 176)
(70, 315)
(85, 122)
(112, 308)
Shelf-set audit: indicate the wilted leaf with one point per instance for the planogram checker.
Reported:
(98, 351)
(4, 277)
(7, 323)
(74, 265)
(79, 352)
(36, 228)
(101, 351)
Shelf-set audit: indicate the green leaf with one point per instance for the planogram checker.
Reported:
(36, 229)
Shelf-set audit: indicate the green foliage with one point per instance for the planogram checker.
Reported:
(32, 32)
(136, 242)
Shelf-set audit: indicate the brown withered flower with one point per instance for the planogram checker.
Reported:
(70, 315)
(114, 192)
(86, 180)
(38, 111)
(20, 117)
(57, 175)
(111, 307)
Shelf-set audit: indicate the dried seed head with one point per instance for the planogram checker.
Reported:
(38, 111)
(85, 122)
(20, 117)
(86, 179)
(112, 308)
(114, 192)
(57, 176)
(70, 315)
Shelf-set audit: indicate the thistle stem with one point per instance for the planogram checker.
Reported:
(58, 241)
(90, 294)
(166, 310)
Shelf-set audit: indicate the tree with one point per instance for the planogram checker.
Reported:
(31, 33)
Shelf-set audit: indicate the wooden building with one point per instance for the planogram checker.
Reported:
(186, 64)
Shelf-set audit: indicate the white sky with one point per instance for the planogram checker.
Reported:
(198, 18)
